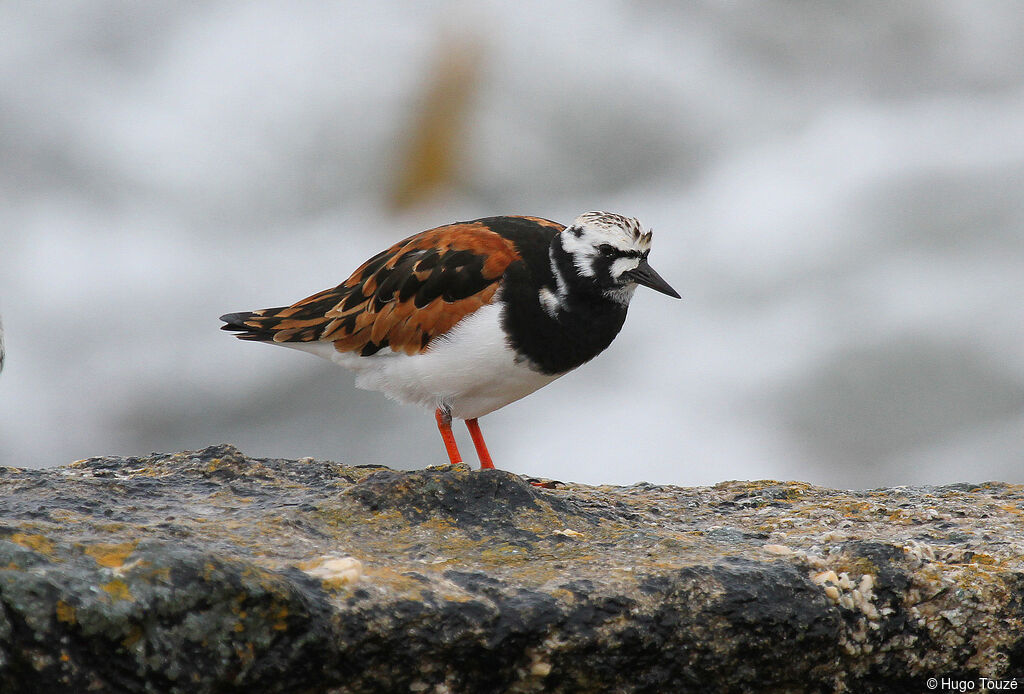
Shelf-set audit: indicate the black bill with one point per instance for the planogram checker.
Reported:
(644, 274)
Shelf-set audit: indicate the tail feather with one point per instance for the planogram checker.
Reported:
(250, 325)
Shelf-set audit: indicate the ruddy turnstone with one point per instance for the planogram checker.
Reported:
(469, 317)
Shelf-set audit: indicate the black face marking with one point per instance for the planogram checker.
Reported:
(602, 267)
(610, 251)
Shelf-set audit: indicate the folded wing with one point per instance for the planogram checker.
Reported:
(402, 298)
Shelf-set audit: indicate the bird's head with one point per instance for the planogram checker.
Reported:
(611, 250)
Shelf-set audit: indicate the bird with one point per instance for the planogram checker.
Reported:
(468, 317)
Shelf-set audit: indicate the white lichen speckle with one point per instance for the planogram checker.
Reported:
(338, 570)
(824, 577)
(540, 669)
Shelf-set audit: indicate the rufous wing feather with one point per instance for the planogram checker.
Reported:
(401, 298)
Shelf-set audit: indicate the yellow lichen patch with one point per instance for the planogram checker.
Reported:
(853, 509)
(438, 525)
(790, 491)
(1013, 509)
(65, 612)
(38, 543)
(563, 595)
(340, 519)
(133, 637)
(397, 579)
(118, 590)
(228, 494)
(60, 515)
(111, 556)
(113, 528)
(281, 616)
(901, 516)
(153, 574)
(246, 653)
(854, 566)
(505, 554)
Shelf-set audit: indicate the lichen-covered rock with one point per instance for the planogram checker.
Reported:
(209, 571)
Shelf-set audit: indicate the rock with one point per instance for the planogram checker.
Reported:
(209, 571)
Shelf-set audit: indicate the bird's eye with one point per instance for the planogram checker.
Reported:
(607, 250)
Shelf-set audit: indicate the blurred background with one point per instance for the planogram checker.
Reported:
(837, 190)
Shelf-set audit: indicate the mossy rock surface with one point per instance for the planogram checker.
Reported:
(209, 571)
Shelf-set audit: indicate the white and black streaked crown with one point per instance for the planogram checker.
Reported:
(606, 246)
(610, 251)
(627, 230)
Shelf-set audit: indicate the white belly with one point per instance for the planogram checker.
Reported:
(471, 369)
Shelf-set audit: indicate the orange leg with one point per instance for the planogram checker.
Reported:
(444, 425)
(481, 447)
